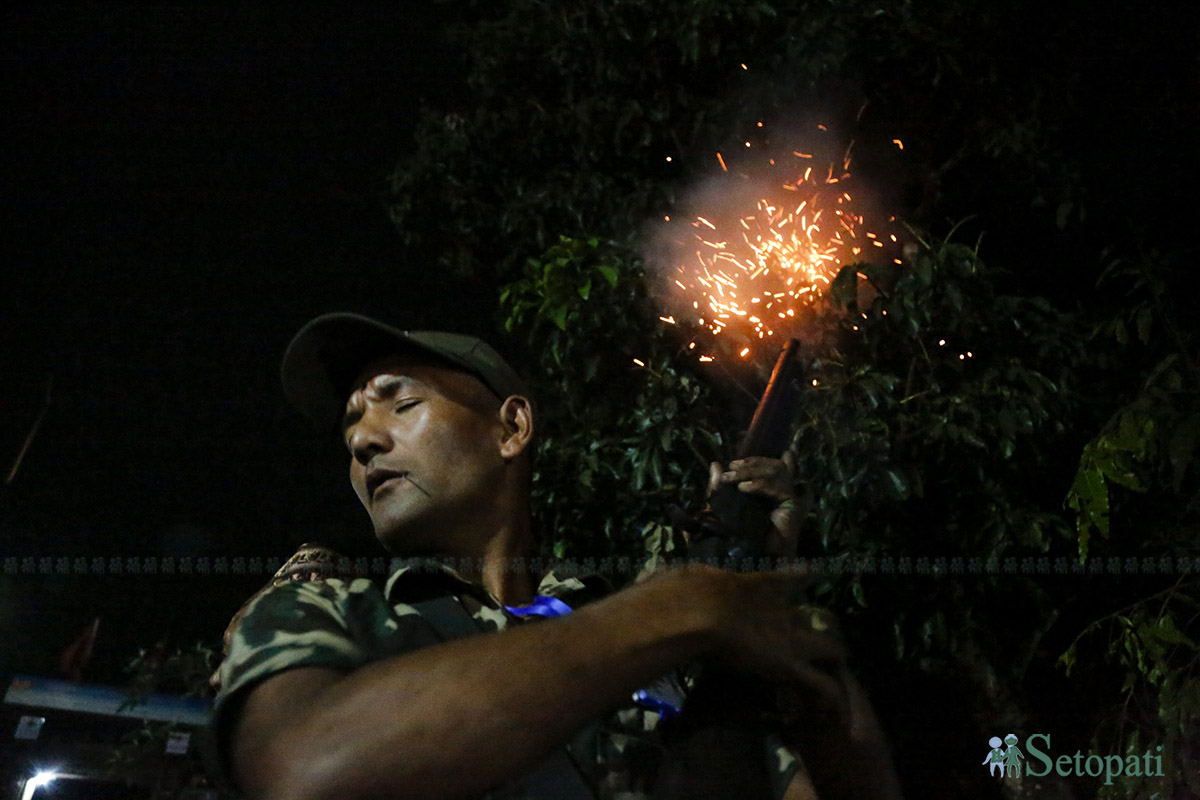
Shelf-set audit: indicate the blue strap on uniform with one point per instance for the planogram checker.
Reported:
(666, 708)
(662, 696)
(542, 606)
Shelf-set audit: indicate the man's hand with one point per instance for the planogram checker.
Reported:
(765, 628)
(770, 478)
(821, 710)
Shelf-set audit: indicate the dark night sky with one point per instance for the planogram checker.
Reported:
(183, 186)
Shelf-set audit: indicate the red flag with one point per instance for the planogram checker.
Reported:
(73, 660)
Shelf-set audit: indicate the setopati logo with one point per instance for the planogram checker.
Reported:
(1010, 761)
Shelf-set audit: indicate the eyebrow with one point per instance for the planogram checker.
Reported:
(386, 386)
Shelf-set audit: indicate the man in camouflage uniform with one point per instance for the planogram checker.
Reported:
(333, 688)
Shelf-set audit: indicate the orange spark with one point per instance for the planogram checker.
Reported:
(776, 257)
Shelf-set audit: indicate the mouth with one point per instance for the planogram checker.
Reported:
(376, 478)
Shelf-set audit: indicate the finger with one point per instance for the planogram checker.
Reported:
(715, 471)
(766, 487)
(821, 649)
(761, 467)
(784, 535)
(779, 543)
(824, 622)
(769, 477)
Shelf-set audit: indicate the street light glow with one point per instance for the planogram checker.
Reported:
(36, 782)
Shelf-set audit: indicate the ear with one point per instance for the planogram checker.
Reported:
(516, 418)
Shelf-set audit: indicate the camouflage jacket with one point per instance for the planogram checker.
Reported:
(307, 618)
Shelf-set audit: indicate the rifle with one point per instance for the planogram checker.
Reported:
(716, 748)
(736, 523)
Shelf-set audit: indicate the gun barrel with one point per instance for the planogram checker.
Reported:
(747, 518)
(767, 434)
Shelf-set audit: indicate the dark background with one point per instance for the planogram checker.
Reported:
(183, 186)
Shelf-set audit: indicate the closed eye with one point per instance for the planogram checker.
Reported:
(352, 418)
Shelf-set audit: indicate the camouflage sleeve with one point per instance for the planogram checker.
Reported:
(309, 623)
(326, 623)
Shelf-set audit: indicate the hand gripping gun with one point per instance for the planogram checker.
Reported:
(716, 748)
(735, 524)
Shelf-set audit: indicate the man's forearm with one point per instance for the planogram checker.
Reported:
(455, 719)
(857, 763)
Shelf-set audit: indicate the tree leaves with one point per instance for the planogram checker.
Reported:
(630, 430)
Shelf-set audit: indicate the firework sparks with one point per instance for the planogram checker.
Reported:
(768, 250)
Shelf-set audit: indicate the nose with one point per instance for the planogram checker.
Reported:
(367, 439)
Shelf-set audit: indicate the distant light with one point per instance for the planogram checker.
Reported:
(42, 778)
(760, 124)
(639, 362)
(668, 158)
(970, 354)
(747, 144)
(745, 352)
(941, 342)
(961, 357)
(36, 782)
(898, 143)
(814, 381)
(706, 359)
(744, 66)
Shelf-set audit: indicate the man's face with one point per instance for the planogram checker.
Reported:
(425, 453)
